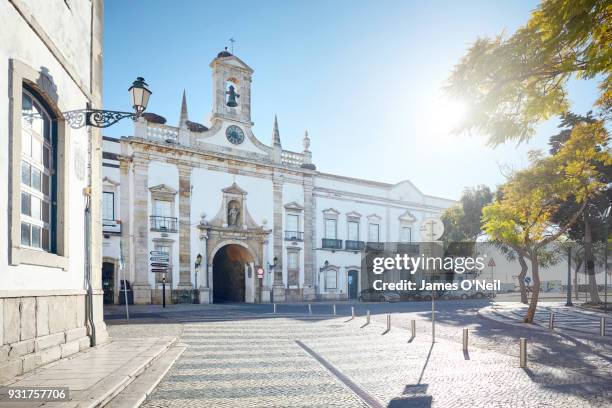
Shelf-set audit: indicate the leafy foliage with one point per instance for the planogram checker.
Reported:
(524, 215)
(462, 222)
(513, 83)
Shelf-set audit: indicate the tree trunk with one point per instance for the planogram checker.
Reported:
(533, 304)
(578, 265)
(521, 278)
(590, 261)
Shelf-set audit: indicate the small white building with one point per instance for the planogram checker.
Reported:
(50, 63)
(265, 223)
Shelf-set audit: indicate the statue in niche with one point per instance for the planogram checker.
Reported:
(233, 214)
(231, 97)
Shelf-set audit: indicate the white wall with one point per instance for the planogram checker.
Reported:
(18, 41)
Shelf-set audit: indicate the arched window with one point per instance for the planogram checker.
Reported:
(38, 173)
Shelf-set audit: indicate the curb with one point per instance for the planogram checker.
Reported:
(117, 388)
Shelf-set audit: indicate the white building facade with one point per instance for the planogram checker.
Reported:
(50, 63)
(240, 220)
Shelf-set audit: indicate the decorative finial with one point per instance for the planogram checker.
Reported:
(276, 134)
(184, 117)
(306, 141)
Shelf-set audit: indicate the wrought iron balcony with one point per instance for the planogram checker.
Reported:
(164, 224)
(376, 246)
(111, 226)
(294, 236)
(354, 245)
(328, 243)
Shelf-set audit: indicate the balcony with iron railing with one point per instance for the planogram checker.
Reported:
(164, 224)
(328, 243)
(294, 236)
(375, 246)
(350, 245)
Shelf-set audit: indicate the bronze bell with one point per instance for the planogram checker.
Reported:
(232, 95)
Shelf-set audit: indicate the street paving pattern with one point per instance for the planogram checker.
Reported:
(252, 358)
(569, 318)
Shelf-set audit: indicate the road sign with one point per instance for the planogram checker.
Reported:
(260, 272)
(492, 263)
(159, 270)
(159, 264)
(163, 259)
(158, 253)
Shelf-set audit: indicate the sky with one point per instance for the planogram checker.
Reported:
(363, 77)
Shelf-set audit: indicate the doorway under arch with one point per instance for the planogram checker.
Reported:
(230, 266)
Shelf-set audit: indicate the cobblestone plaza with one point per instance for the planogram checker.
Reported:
(247, 356)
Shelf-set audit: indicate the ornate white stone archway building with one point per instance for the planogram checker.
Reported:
(190, 189)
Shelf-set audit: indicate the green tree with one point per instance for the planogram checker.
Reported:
(462, 221)
(513, 83)
(523, 217)
(591, 228)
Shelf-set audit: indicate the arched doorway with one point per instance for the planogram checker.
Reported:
(231, 272)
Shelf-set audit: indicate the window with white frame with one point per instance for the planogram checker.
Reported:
(293, 260)
(38, 173)
(331, 279)
(108, 205)
(353, 230)
(406, 234)
(162, 208)
(293, 222)
(331, 228)
(374, 233)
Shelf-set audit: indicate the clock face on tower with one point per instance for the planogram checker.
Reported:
(234, 134)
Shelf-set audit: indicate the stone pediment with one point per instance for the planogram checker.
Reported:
(162, 188)
(234, 189)
(232, 61)
(407, 217)
(163, 192)
(331, 211)
(374, 217)
(353, 214)
(293, 205)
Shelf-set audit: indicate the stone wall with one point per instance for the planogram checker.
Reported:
(38, 330)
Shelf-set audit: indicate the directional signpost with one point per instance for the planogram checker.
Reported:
(160, 261)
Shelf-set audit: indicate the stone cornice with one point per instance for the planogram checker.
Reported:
(198, 156)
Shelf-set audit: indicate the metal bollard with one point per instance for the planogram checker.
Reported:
(465, 340)
(602, 326)
(352, 312)
(334, 310)
(368, 318)
(309, 308)
(551, 321)
(274, 308)
(413, 328)
(388, 322)
(523, 353)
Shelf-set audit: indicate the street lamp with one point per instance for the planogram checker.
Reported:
(100, 118)
(198, 262)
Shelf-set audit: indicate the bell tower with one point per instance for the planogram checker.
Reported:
(231, 89)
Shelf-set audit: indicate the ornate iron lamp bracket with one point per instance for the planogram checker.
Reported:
(95, 117)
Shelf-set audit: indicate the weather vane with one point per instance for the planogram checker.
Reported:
(232, 41)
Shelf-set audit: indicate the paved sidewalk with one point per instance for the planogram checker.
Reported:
(96, 375)
(571, 319)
